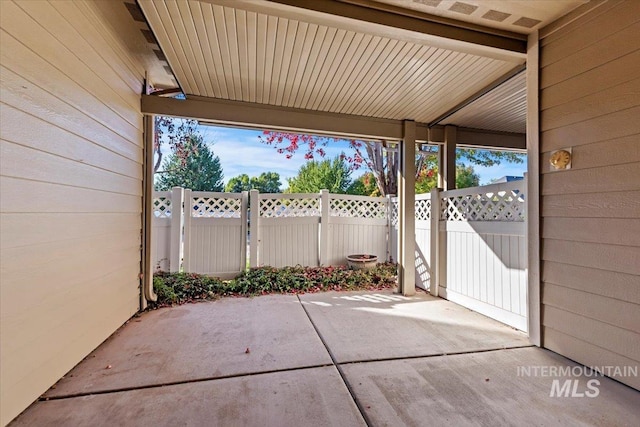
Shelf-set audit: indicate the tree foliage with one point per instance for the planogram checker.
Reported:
(380, 157)
(176, 133)
(364, 185)
(199, 171)
(266, 182)
(333, 175)
(427, 180)
(466, 177)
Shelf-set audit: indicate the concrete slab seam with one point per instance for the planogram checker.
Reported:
(424, 356)
(172, 383)
(363, 413)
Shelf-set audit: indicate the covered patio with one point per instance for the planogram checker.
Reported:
(81, 82)
(343, 359)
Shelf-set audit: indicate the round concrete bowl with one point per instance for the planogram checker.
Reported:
(362, 261)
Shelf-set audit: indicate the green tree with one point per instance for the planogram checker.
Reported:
(466, 177)
(364, 185)
(174, 132)
(200, 170)
(428, 178)
(333, 175)
(380, 157)
(266, 182)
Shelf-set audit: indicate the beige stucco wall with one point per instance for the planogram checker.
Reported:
(71, 171)
(590, 102)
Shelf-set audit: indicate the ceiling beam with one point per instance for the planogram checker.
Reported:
(415, 27)
(417, 22)
(480, 138)
(261, 116)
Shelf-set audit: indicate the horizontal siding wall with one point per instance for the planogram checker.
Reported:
(71, 154)
(590, 101)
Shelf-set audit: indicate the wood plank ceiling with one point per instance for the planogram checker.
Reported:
(269, 58)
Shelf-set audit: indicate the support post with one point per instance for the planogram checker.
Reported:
(177, 214)
(532, 195)
(244, 218)
(406, 211)
(324, 228)
(440, 166)
(434, 277)
(389, 226)
(450, 136)
(254, 227)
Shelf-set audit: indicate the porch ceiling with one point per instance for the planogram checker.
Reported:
(276, 54)
(501, 109)
(520, 16)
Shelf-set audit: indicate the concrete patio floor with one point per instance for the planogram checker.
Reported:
(330, 359)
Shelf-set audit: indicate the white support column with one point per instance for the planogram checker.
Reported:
(323, 251)
(406, 211)
(177, 214)
(533, 190)
(450, 137)
(389, 227)
(434, 262)
(244, 219)
(254, 221)
(440, 166)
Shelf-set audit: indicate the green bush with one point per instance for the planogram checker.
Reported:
(178, 288)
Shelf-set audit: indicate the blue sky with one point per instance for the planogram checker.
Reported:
(240, 152)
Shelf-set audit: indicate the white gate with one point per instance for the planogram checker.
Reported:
(284, 229)
(215, 230)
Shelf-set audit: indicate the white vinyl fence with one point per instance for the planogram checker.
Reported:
(482, 250)
(207, 233)
(199, 232)
(423, 237)
(161, 233)
(355, 225)
(477, 258)
(215, 230)
(284, 229)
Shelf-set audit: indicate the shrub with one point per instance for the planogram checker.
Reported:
(178, 288)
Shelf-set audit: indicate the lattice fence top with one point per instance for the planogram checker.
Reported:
(393, 211)
(162, 207)
(506, 205)
(288, 208)
(358, 208)
(423, 209)
(216, 207)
